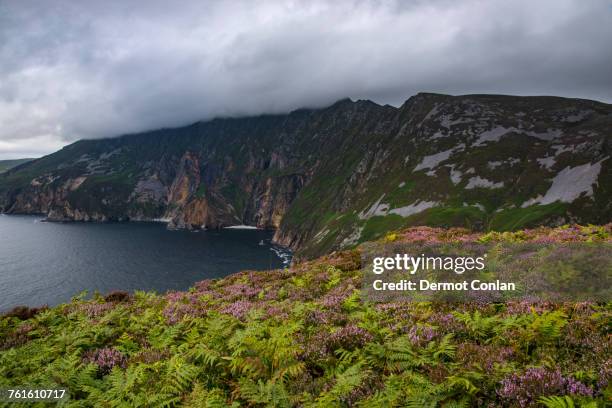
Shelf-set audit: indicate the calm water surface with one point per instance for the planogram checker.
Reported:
(48, 263)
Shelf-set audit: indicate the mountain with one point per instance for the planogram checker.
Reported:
(330, 178)
(9, 164)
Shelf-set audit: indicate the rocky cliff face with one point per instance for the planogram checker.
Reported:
(331, 178)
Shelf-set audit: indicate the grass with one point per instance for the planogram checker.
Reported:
(9, 164)
(516, 218)
(376, 227)
(469, 216)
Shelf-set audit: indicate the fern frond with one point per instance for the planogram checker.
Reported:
(344, 384)
(557, 402)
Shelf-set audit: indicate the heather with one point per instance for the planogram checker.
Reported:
(305, 336)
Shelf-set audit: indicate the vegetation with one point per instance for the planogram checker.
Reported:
(9, 164)
(305, 337)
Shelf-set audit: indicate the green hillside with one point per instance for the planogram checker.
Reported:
(9, 164)
(307, 337)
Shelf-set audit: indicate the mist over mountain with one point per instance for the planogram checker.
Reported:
(85, 69)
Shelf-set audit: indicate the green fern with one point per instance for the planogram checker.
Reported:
(179, 376)
(557, 402)
(351, 303)
(344, 383)
(442, 350)
(479, 326)
(546, 327)
(465, 382)
(566, 402)
(268, 393)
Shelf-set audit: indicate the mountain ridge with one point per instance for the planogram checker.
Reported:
(331, 177)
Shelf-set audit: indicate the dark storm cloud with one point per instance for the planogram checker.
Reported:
(86, 69)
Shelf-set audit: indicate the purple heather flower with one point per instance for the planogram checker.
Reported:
(240, 290)
(335, 297)
(421, 335)
(605, 373)
(94, 309)
(239, 309)
(348, 337)
(181, 304)
(106, 358)
(527, 387)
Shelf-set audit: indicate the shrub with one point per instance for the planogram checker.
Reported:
(117, 296)
(525, 389)
(106, 359)
(24, 312)
(305, 337)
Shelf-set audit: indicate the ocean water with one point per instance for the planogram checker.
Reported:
(48, 263)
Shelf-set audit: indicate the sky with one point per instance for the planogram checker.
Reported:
(81, 69)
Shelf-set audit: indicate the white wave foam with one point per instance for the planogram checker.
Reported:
(284, 254)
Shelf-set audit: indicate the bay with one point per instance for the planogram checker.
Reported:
(48, 263)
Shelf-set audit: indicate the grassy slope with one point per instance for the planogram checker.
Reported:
(9, 164)
(304, 337)
(480, 208)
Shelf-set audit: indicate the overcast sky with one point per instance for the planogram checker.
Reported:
(86, 69)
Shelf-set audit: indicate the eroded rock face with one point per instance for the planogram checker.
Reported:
(272, 198)
(333, 177)
(184, 211)
(47, 194)
(193, 203)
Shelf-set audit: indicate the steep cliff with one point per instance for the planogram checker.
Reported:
(330, 178)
